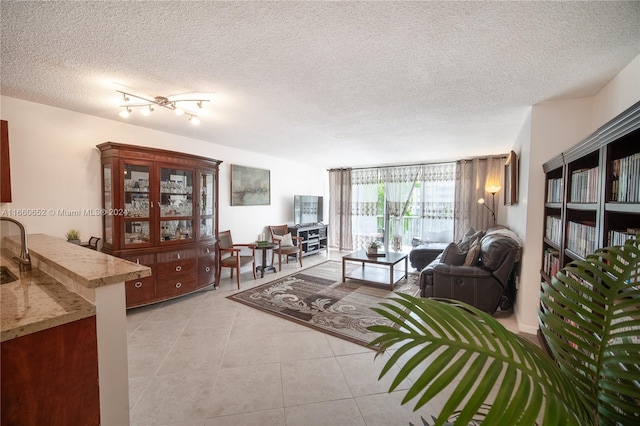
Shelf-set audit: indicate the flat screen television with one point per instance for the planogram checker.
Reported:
(307, 209)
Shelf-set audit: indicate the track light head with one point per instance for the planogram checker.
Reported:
(125, 112)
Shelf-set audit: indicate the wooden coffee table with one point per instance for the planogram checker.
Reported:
(376, 270)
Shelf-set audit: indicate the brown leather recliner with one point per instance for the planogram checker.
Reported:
(481, 284)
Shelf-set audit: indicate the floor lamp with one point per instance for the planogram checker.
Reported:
(492, 190)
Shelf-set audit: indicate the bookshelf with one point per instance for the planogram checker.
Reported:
(592, 197)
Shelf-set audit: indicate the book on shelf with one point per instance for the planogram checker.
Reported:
(553, 229)
(581, 238)
(551, 263)
(554, 190)
(584, 185)
(625, 185)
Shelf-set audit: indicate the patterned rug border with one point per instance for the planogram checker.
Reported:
(294, 319)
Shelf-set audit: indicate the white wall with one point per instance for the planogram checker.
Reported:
(552, 128)
(55, 165)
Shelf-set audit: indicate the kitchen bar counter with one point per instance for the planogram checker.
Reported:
(38, 301)
(69, 284)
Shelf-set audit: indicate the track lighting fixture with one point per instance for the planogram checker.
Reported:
(146, 105)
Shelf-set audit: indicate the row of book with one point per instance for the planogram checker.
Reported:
(584, 186)
(554, 190)
(617, 238)
(553, 230)
(626, 179)
(551, 261)
(581, 238)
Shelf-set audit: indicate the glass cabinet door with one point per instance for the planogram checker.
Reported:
(206, 204)
(176, 204)
(108, 204)
(136, 204)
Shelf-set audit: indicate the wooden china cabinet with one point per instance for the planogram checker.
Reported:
(160, 210)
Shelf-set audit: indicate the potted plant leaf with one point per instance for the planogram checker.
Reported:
(73, 236)
(590, 317)
(372, 248)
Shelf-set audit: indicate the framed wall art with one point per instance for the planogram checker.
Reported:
(250, 186)
(511, 179)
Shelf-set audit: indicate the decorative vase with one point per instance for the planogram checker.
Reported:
(397, 243)
(372, 250)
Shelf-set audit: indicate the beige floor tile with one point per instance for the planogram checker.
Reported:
(362, 370)
(273, 417)
(246, 389)
(386, 409)
(144, 360)
(196, 350)
(250, 350)
(303, 345)
(343, 412)
(174, 399)
(313, 380)
(344, 347)
(155, 332)
(137, 385)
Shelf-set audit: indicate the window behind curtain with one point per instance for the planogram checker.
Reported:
(380, 195)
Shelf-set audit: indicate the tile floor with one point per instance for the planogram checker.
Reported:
(208, 361)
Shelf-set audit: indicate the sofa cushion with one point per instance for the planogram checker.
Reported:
(283, 241)
(469, 238)
(452, 255)
(471, 259)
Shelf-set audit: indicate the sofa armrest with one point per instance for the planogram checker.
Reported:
(470, 284)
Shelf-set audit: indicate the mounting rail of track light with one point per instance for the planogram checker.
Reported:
(146, 105)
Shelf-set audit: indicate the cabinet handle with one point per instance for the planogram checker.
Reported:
(178, 268)
(138, 260)
(178, 285)
(207, 269)
(208, 250)
(178, 255)
(138, 284)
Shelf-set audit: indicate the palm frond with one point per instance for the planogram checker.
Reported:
(460, 343)
(590, 316)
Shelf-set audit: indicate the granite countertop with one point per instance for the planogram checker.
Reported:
(36, 301)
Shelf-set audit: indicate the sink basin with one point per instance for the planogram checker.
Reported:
(6, 276)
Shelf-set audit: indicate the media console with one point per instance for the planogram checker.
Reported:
(314, 236)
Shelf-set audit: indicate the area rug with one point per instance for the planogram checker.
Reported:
(317, 298)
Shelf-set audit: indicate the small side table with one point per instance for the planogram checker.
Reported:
(263, 267)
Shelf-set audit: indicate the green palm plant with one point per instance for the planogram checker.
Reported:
(590, 317)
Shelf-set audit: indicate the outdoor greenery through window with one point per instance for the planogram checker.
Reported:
(403, 206)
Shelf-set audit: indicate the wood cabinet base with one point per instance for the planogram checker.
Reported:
(51, 377)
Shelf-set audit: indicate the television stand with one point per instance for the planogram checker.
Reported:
(314, 238)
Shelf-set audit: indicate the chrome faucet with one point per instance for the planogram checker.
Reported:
(24, 260)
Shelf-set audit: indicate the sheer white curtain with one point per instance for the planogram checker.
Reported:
(472, 176)
(364, 207)
(435, 203)
(340, 209)
(399, 183)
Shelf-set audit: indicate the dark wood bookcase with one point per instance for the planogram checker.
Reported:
(592, 197)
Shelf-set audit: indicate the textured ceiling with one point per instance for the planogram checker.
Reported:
(329, 83)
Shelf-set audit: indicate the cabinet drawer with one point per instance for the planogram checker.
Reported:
(175, 286)
(170, 256)
(176, 268)
(142, 290)
(207, 250)
(206, 270)
(143, 259)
